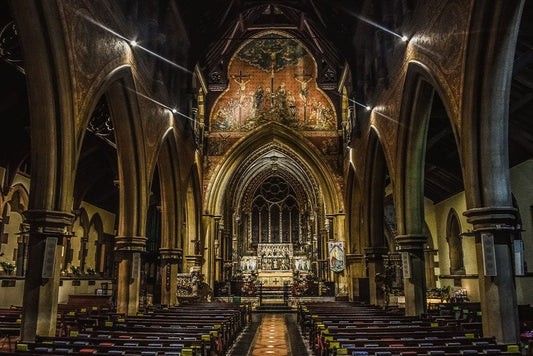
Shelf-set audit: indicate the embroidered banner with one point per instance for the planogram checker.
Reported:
(336, 255)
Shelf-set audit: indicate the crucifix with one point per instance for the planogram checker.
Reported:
(242, 87)
(303, 79)
(273, 55)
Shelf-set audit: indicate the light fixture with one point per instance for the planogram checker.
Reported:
(405, 38)
(368, 108)
(133, 43)
(174, 110)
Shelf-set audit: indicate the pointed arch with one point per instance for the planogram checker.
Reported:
(273, 132)
(376, 172)
(18, 198)
(417, 98)
(455, 243)
(356, 240)
(169, 179)
(193, 210)
(120, 93)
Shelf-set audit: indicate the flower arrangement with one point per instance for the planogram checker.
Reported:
(75, 270)
(9, 268)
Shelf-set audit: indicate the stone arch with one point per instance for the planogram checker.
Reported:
(18, 197)
(417, 100)
(353, 205)
(192, 244)
(170, 249)
(419, 88)
(270, 136)
(376, 169)
(454, 238)
(169, 178)
(272, 132)
(12, 224)
(119, 91)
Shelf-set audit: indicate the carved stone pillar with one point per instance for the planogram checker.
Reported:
(374, 263)
(170, 259)
(414, 269)
(47, 229)
(493, 228)
(128, 251)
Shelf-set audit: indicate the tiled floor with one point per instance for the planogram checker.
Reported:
(271, 337)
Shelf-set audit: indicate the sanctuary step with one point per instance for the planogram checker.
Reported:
(274, 308)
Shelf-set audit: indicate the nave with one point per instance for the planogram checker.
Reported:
(216, 329)
(174, 154)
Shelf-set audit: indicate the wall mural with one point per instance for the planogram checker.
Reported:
(272, 78)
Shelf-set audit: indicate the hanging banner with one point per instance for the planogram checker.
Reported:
(336, 255)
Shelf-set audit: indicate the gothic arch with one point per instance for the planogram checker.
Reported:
(169, 178)
(272, 132)
(417, 98)
(119, 91)
(376, 168)
(18, 198)
(454, 238)
(95, 234)
(192, 244)
(353, 205)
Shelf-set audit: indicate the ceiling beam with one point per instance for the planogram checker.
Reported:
(519, 104)
(432, 141)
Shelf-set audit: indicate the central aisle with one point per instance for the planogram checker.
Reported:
(271, 337)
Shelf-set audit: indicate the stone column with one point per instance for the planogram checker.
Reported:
(219, 233)
(414, 269)
(22, 250)
(128, 256)
(170, 259)
(374, 263)
(211, 234)
(356, 269)
(41, 288)
(494, 228)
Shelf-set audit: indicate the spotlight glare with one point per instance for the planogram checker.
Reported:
(174, 110)
(405, 39)
(133, 43)
(368, 108)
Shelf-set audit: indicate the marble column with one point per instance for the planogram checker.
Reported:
(41, 288)
(128, 251)
(494, 228)
(414, 268)
(374, 263)
(170, 259)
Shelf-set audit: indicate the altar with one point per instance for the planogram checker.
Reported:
(275, 264)
(275, 278)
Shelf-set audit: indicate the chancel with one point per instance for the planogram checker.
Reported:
(252, 177)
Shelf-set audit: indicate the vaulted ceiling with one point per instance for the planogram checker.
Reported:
(327, 27)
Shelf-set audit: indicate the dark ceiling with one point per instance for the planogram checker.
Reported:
(215, 29)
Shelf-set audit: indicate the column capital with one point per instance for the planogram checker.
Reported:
(130, 243)
(354, 257)
(375, 253)
(48, 223)
(492, 218)
(170, 254)
(411, 242)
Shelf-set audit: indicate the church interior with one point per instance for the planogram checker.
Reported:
(254, 177)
